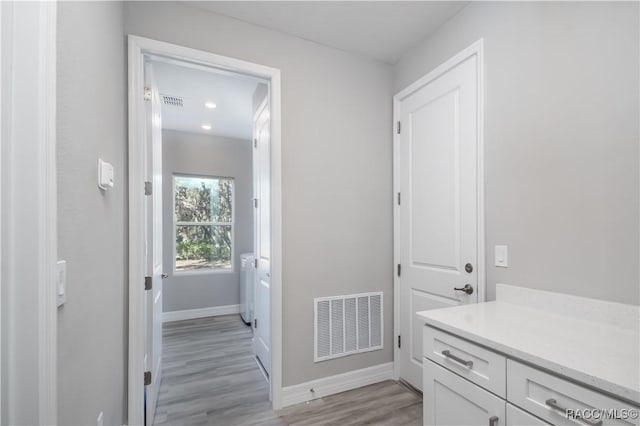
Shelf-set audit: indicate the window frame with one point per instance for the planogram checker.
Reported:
(176, 223)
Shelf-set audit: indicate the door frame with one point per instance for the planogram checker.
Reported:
(29, 361)
(140, 47)
(476, 49)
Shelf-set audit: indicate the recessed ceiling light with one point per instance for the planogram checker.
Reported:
(210, 105)
(206, 126)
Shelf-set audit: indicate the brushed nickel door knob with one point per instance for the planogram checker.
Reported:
(467, 289)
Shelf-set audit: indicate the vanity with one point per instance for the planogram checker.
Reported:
(532, 358)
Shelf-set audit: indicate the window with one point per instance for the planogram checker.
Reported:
(203, 223)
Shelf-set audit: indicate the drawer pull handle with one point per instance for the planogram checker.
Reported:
(448, 354)
(554, 404)
(493, 421)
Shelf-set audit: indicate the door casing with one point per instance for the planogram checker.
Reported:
(28, 344)
(476, 49)
(139, 48)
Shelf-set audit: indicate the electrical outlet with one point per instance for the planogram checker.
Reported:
(99, 420)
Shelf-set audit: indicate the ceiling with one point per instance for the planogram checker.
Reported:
(232, 94)
(381, 30)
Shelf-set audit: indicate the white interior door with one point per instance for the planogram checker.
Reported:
(262, 230)
(438, 213)
(153, 229)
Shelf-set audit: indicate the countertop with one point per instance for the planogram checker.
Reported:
(600, 354)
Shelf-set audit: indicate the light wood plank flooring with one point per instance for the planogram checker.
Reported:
(210, 377)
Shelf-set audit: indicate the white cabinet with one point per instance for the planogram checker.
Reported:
(479, 365)
(549, 397)
(466, 384)
(518, 417)
(451, 400)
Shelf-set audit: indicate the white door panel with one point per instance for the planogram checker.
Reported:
(263, 338)
(438, 212)
(434, 175)
(262, 221)
(153, 228)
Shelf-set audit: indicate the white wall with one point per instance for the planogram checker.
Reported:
(206, 155)
(92, 227)
(6, 44)
(562, 137)
(336, 148)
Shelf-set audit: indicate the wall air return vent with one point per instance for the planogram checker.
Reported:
(345, 325)
(174, 101)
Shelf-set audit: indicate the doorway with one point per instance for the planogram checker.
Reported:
(198, 246)
(438, 213)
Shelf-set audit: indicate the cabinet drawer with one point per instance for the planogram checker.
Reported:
(474, 363)
(448, 399)
(518, 417)
(548, 396)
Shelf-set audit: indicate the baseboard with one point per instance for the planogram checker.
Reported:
(326, 386)
(200, 313)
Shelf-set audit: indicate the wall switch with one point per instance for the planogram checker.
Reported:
(61, 281)
(502, 256)
(99, 420)
(105, 175)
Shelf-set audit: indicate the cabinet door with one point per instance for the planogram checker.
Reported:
(481, 366)
(451, 400)
(518, 417)
(559, 401)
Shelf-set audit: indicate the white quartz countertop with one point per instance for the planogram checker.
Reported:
(601, 354)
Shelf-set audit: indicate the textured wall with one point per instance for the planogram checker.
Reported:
(92, 227)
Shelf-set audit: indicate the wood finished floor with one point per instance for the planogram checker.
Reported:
(210, 377)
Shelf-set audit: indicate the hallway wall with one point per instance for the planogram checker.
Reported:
(337, 208)
(206, 155)
(92, 226)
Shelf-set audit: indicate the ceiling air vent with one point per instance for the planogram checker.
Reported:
(174, 101)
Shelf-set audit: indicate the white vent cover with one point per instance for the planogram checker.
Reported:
(344, 325)
(175, 101)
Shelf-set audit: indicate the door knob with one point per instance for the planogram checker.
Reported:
(467, 289)
(165, 276)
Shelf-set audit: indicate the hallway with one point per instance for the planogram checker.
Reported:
(210, 377)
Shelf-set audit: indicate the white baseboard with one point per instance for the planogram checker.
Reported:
(200, 313)
(326, 386)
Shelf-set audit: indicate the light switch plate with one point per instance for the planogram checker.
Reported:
(502, 256)
(105, 175)
(61, 281)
